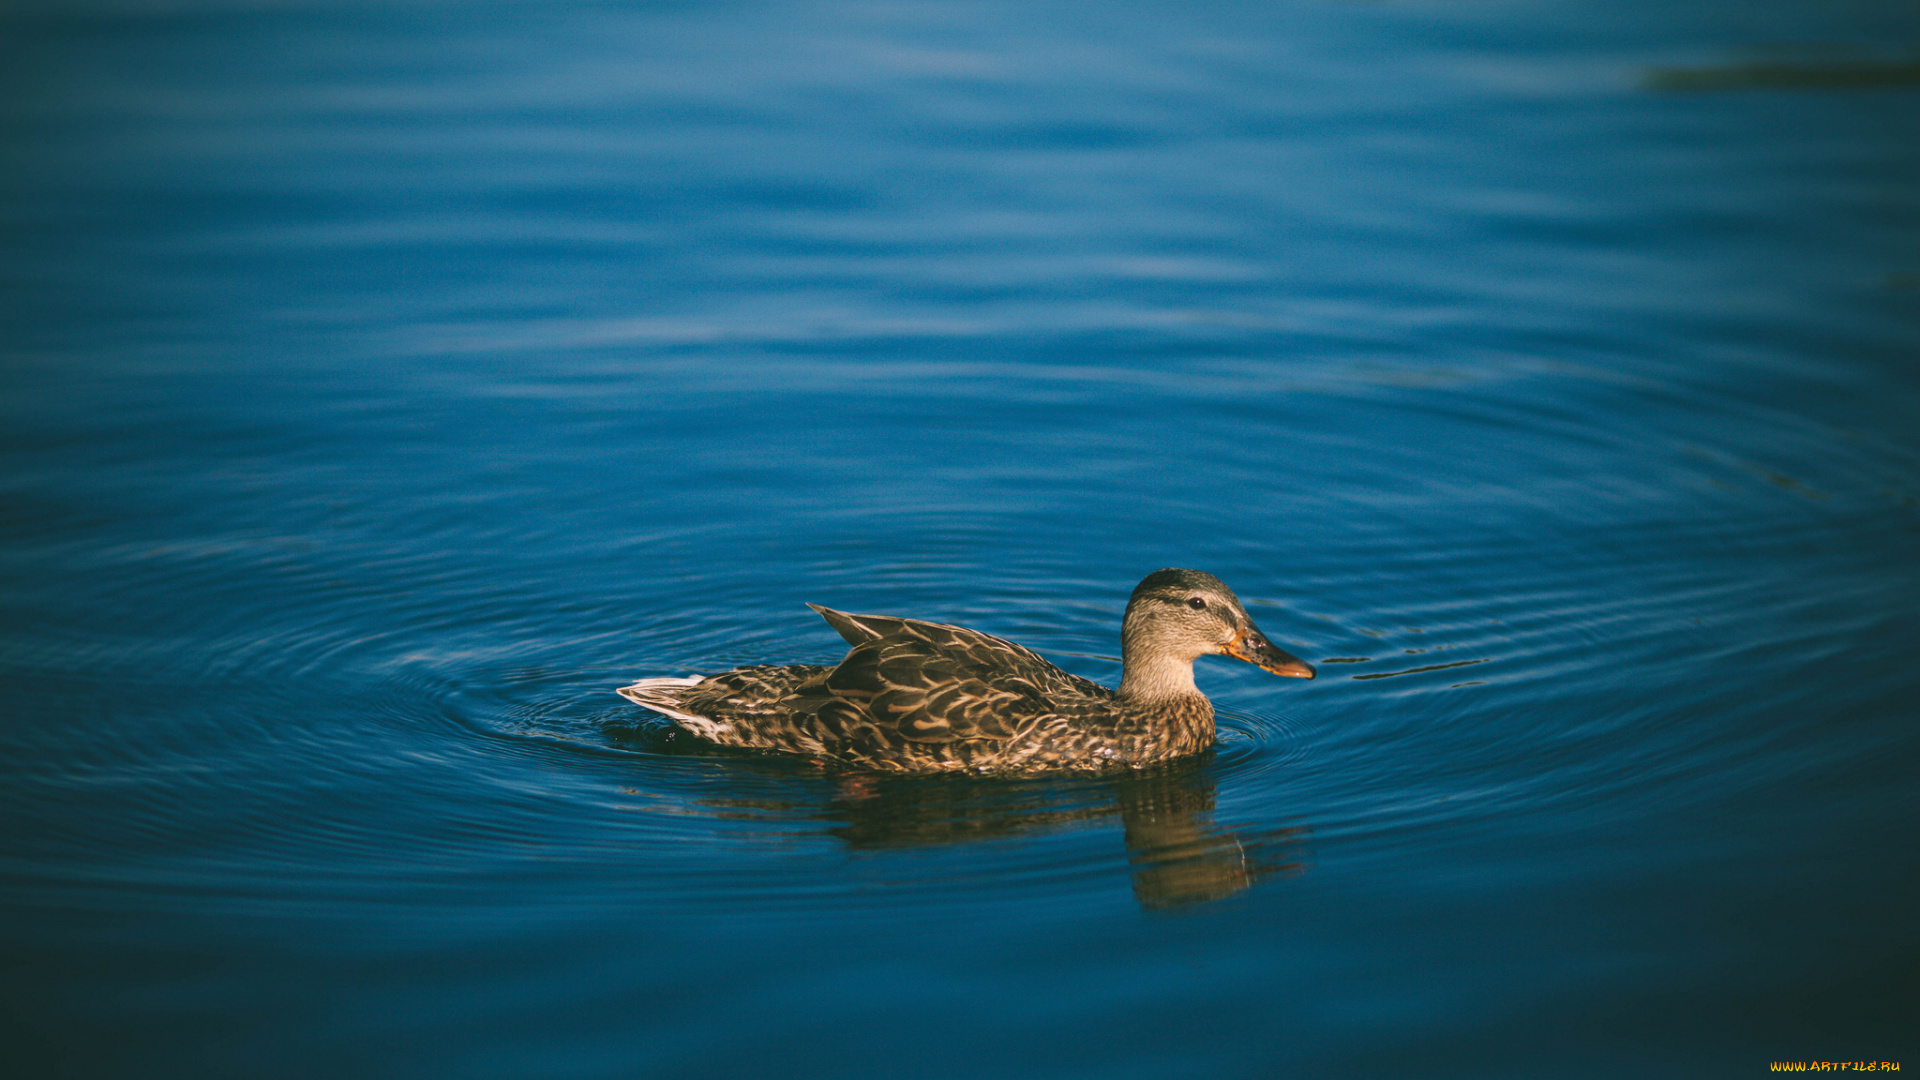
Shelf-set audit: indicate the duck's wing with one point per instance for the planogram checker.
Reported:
(933, 683)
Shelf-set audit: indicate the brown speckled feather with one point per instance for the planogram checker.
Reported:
(923, 696)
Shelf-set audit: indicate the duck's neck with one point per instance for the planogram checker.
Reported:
(1157, 679)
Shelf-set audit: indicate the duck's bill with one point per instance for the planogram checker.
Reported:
(1253, 647)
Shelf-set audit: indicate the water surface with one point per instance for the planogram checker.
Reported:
(385, 384)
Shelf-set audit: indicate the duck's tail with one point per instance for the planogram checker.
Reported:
(663, 695)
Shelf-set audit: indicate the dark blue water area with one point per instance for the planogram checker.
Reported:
(384, 384)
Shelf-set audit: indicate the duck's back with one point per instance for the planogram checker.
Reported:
(910, 695)
(925, 696)
(940, 683)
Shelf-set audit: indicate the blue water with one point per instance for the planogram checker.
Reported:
(384, 384)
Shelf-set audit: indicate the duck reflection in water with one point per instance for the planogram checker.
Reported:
(1178, 856)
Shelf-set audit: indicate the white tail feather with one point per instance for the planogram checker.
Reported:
(661, 695)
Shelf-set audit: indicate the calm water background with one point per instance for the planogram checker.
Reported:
(385, 383)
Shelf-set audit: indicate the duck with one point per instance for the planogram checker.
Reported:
(917, 696)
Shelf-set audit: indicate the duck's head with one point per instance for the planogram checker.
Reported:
(1177, 616)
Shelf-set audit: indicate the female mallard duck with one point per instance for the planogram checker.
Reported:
(917, 696)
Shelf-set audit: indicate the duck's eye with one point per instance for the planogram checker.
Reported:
(1197, 603)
